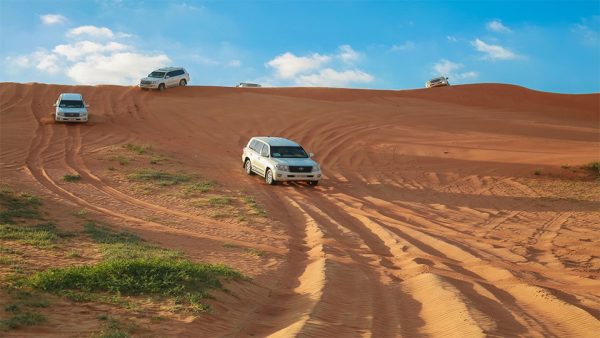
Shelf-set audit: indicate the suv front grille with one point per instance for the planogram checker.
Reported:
(71, 114)
(300, 169)
(146, 82)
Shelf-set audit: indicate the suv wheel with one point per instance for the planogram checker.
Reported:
(269, 177)
(313, 183)
(161, 87)
(248, 168)
(182, 83)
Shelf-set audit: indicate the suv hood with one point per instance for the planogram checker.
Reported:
(295, 161)
(152, 79)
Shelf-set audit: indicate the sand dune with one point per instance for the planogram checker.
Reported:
(449, 212)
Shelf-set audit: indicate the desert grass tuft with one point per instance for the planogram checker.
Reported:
(161, 178)
(71, 177)
(139, 149)
(256, 208)
(44, 235)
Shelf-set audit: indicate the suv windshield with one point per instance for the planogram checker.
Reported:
(71, 104)
(288, 152)
(157, 74)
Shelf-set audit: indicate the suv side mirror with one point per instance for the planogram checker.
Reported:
(54, 105)
(311, 154)
(167, 76)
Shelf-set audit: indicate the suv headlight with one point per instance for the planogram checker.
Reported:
(317, 167)
(282, 167)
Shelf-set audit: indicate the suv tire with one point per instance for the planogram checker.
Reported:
(269, 177)
(161, 87)
(248, 168)
(182, 82)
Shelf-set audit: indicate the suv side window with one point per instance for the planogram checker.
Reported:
(253, 145)
(179, 72)
(264, 151)
(171, 74)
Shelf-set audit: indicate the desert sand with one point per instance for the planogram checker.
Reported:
(448, 212)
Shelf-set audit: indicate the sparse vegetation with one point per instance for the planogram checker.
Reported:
(20, 312)
(157, 159)
(81, 213)
(158, 177)
(6, 260)
(193, 189)
(18, 206)
(21, 319)
(537, 172)
(124, 245)
(113, 329)
(593, 167)
(219, 201)
(256, 208)
(254, 252)
(71, 177)
(123, 160)
(139, 149)
(43, 235)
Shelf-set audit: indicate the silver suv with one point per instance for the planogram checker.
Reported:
(70, 107)
(163, 78)
(279, 159)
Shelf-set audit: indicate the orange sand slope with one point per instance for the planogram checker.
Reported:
(430, 220)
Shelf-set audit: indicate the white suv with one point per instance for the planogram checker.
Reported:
(163, 78)
(437, 82)
(279, 159)
(70, 107)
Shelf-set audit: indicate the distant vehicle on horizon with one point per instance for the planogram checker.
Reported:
(163, 78)
(279, 159)
(249, 85)
(70, 107)
(437, 82)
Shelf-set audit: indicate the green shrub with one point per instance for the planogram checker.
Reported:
(186, 281)
(71, 177)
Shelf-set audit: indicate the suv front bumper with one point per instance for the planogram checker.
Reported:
(149, 85)
(282, 176)
(70, 119)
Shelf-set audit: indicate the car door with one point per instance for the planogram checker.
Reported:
(171, 79)
(261, 159)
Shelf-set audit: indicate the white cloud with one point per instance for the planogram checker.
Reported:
(407, 45)
(451, 69)
(451, 38)
(588, 35)
(318, 69)
(493, 52)
(117, 68)
(90, 62)
(80, 49)
(332, 78)
(347, 54)
(52, 19)
(289, 65)
(91, 31)
(497, 26)
(41, 59)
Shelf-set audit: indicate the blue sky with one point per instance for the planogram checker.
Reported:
(544, 45)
